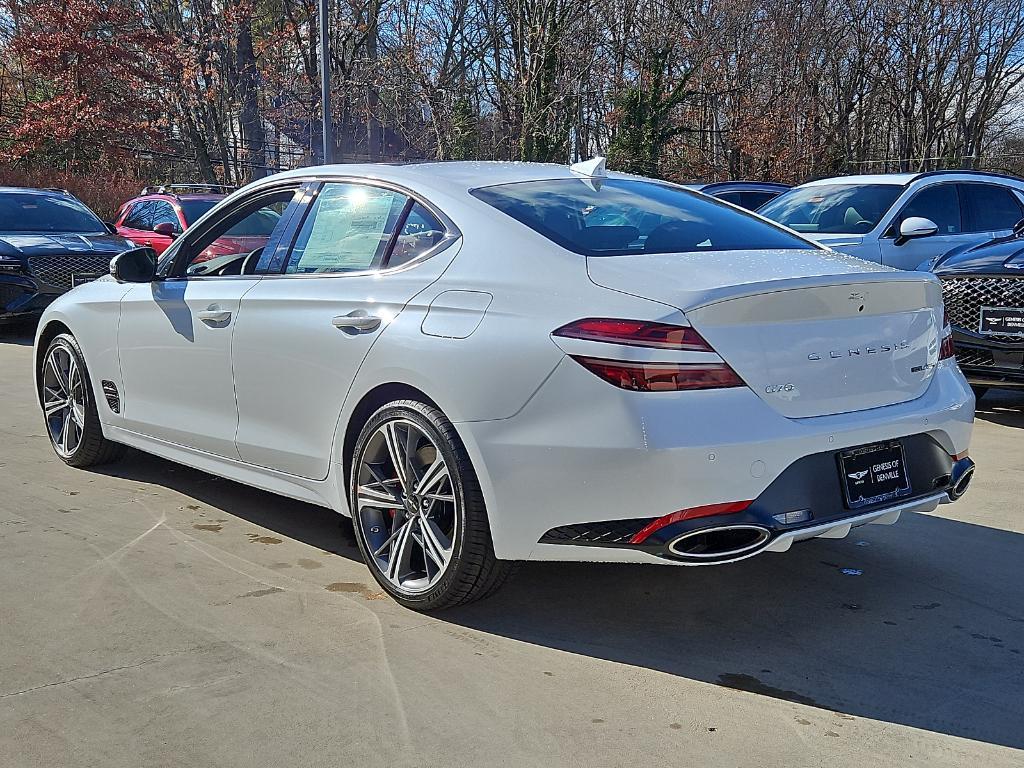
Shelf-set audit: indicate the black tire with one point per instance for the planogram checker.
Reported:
(473, 572)
(979, 391)
(93, 448)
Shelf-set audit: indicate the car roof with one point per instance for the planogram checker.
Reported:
(172, 197)
(35, 191)
(455, 175)
(902, 179)
(896, 179)
(743, 185)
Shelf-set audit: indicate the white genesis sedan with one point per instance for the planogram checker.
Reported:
(483, 363)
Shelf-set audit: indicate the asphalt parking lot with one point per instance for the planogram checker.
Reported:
(152, 615)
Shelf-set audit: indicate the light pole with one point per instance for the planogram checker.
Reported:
(325, 82)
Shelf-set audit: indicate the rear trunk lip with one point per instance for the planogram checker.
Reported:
(703, 297)
(783, 285)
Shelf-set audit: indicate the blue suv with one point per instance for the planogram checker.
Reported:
(49, 243)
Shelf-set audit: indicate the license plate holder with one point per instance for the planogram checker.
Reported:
(874, 473)
(1001, 321)
(77, 278)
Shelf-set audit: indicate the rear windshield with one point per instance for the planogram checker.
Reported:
(36, 212)
(615, 217)
(846, 209)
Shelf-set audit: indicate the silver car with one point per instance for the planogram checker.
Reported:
(482, 363)
(902, 220)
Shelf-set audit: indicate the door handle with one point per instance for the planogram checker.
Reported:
(214, 315)
(354, 322)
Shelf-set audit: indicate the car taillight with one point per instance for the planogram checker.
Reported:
(645, 376)
(946, 350)
(661, 377)
(635, 333)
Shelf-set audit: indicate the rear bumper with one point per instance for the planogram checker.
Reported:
(989, 362)
(583, 453)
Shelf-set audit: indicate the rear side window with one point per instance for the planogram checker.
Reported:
(348, 229)
(940, 203)
(612, 217)
(420, 232)
(990, 208)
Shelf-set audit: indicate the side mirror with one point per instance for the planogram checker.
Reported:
(166, 229)
(110, 227)
(137, 265)
(914, 227)
(1018, 229)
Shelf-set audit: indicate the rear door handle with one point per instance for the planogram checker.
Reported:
(213, 315)
(360, 322)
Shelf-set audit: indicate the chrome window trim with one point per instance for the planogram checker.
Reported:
(451, 234)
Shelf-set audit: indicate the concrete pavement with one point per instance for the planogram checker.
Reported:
(152, 615)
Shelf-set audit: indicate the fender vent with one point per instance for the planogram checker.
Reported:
(113, 398)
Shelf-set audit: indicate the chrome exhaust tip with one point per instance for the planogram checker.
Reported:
(728, 542)
(960, 478)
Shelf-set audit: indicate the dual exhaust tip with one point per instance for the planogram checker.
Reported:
(733, 542)
(728, 542)
(960, 478)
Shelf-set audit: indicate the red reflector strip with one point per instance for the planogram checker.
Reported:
(946, 350)
(708, 510)
(635, 333)
(661, 377)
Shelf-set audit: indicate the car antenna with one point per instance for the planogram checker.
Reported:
(593, 171)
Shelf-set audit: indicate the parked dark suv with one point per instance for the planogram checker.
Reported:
(49, 243)
(983, 290)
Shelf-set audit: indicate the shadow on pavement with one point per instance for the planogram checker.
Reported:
(1002, 406)
(920, 624)
(316, 526)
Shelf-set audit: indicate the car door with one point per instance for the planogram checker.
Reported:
(174, 335)
(361, 253)
(941, 204)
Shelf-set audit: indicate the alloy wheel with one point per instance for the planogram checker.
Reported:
(63, 400)
(406, 506)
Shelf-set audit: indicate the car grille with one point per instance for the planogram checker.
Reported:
(974, 358)
(57, 270)
(965, 296)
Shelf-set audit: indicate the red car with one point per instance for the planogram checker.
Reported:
(160, 214)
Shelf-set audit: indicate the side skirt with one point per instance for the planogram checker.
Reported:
(317, 492)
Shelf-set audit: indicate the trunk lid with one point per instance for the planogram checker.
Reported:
(811, 332)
